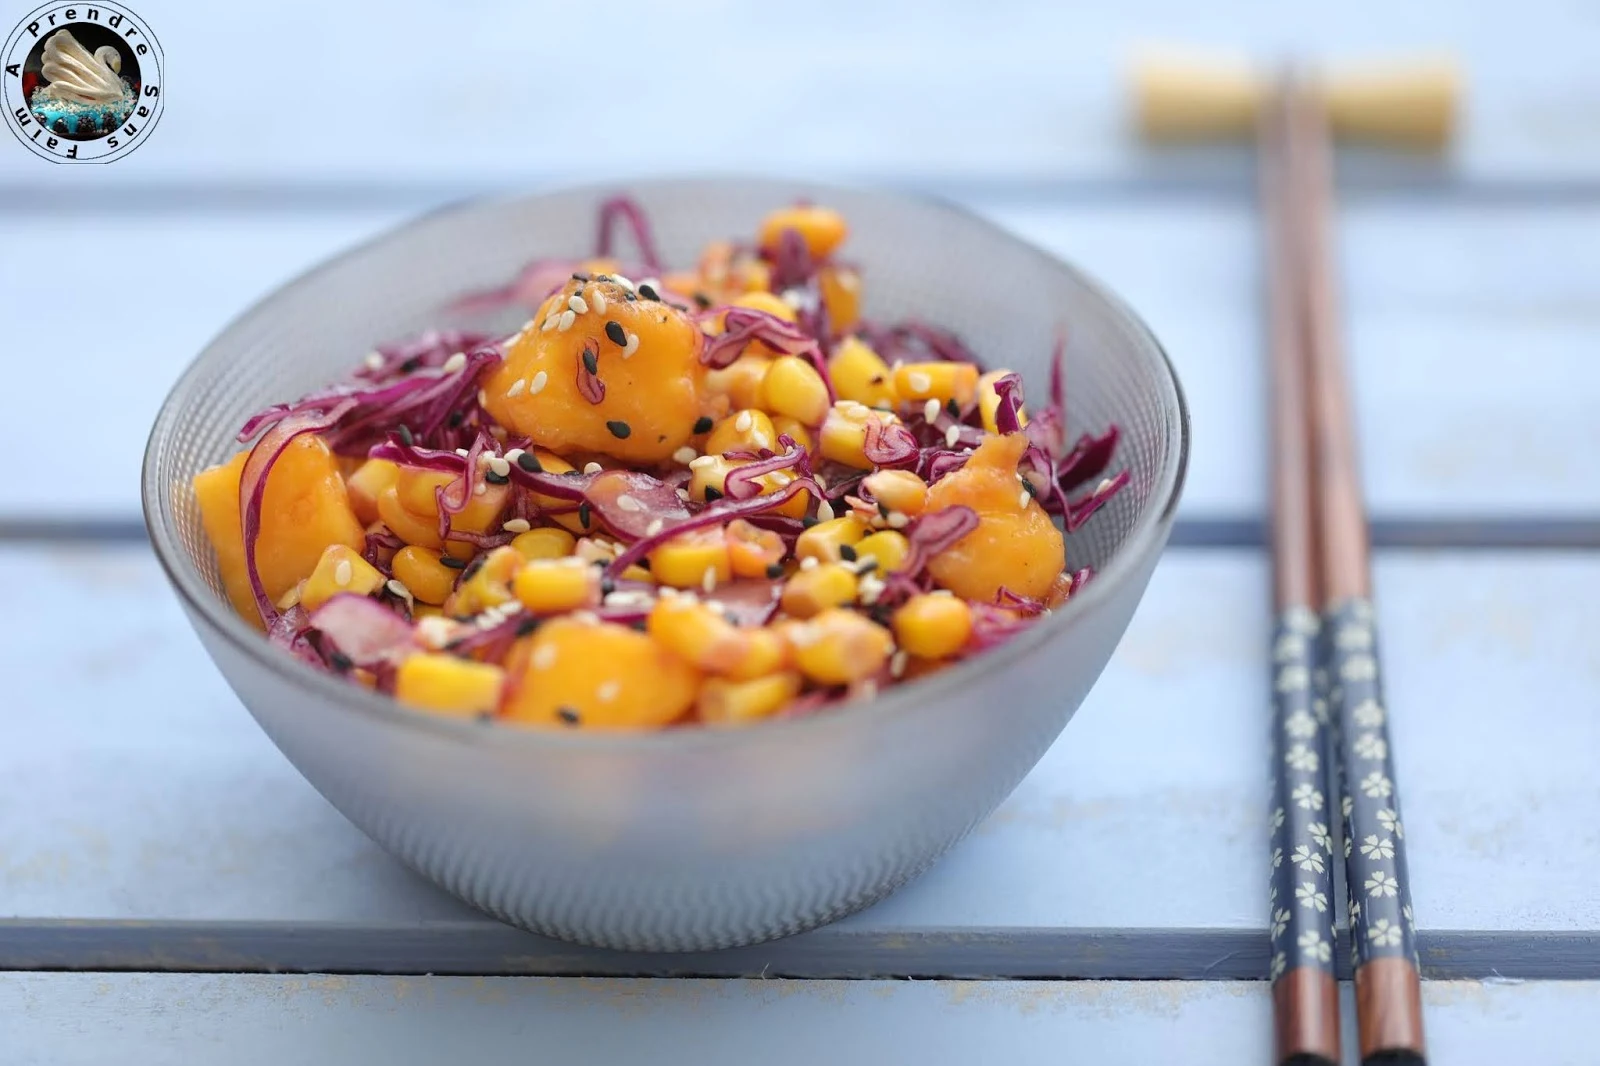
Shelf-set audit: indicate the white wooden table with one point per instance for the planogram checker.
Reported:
(172, 892)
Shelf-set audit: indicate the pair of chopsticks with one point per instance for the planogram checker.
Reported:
(1330, 737)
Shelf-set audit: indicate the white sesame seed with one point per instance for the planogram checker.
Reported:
(683, 494)
(794, 298)
(536, 386)
(702, 462)
(396, 586)
(572, 560)
(627, 598)
(597, 300)
(951, 436)
(919, 381)
(577, 305)
(824, 511)
(499, 466)
(516, 388)
(780, 479)
(434, 631)
(930, 411)
(628, 503)
(631, 347)
(808, 563)
(898, 521)
(1022, 500)
(544, 658)
(343, 573)
(566, 320)
(516, 525)
(514, 454)
(462, 452)
(374, 361)
(592, 468)
(622, 281)
(654, 527)
(941, 592)
(871, 588)
(481, 488)
(483, 398)
(822, 482)
(587, 618)
(1105, 483)
(897, 664)
(709, 581)
(455, 362)
(607, 691)
(744, 422)
(513, 340)
(684, 455)
(550, 322)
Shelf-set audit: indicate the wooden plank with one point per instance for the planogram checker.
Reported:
(1440, 299)
(141, 792)
(881, 90)
(155, 1020)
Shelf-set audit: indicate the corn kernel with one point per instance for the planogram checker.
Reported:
(749, 430)
(888, 548)
(737, 702)
(822, 541)
(822, 228)
(793, 387)
(685, 560)
(839, 647)
(411, 528)
(761, 652)
(368, 482)
(740, 381)
(490, 583)
(544, 543)
(711, 473)
(594, 550)
(420, 570)
(340, 569)
(989, 400)
(898, 490)
(841, 296)
(448, 685)
(933, 627)
(916, 382)
(765, 301)
(812, 591)
(550, 586)
(783, 425)
(858, 374)
(695, 633)
(844, 433)
(751, 550)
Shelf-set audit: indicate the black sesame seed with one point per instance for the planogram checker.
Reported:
(660, 437)
(607, 586)
(583, 514)
(679, 307)
(648, 291)
(1027, 487)
(879, 614)
(847, 553)
(883, 509)
(638, 624)
(340, 661)
(591, 360)
(703, 424)
(808, 521)
(456, 418)
(526, 626)
(712, 494)
(403, 431)
(618, 335)
(567, 715)
(580, 277)
(452, 562)
(702, 300)
(619, 429)
(953, 407)
(775, 571)
(530, 462)
(643, 562)
(495, 479)
(630, 297)
(600, 564)
(603, 277)
(410, 364)
(876, 379)
(867, 565)
(472, 568)
(459, 618)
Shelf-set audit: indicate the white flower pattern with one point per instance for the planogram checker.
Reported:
(1377, 786)
(1310, 897)
(1289, 646)
(1320, 836)
(1307, 859)
(1300, 725)
(1391, 822)
(1293, 679)
(1316, 947)
(1280, 922)
(1373, 848)
(1319, 707)
(1353, 638)
(1368, 715)
(1277, 819)
(1306, 797)
(1381, 884)
(1346, 805)
(1349, 846)
(1277, 858)
(1358, 668)
(1384, 934)
(1300, 757)
(1279, 962)
(1370, 746)
(1355, 911)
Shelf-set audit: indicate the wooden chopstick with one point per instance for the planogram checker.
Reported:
(1301, 910)
(1384, 958)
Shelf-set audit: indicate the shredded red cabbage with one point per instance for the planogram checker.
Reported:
(745, 324)
(364, 630)
(626, 209)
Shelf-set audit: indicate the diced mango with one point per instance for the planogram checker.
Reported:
(449, 686)
(581, 675)
(341, 569)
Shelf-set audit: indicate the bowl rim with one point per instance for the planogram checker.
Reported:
(1148, 534)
